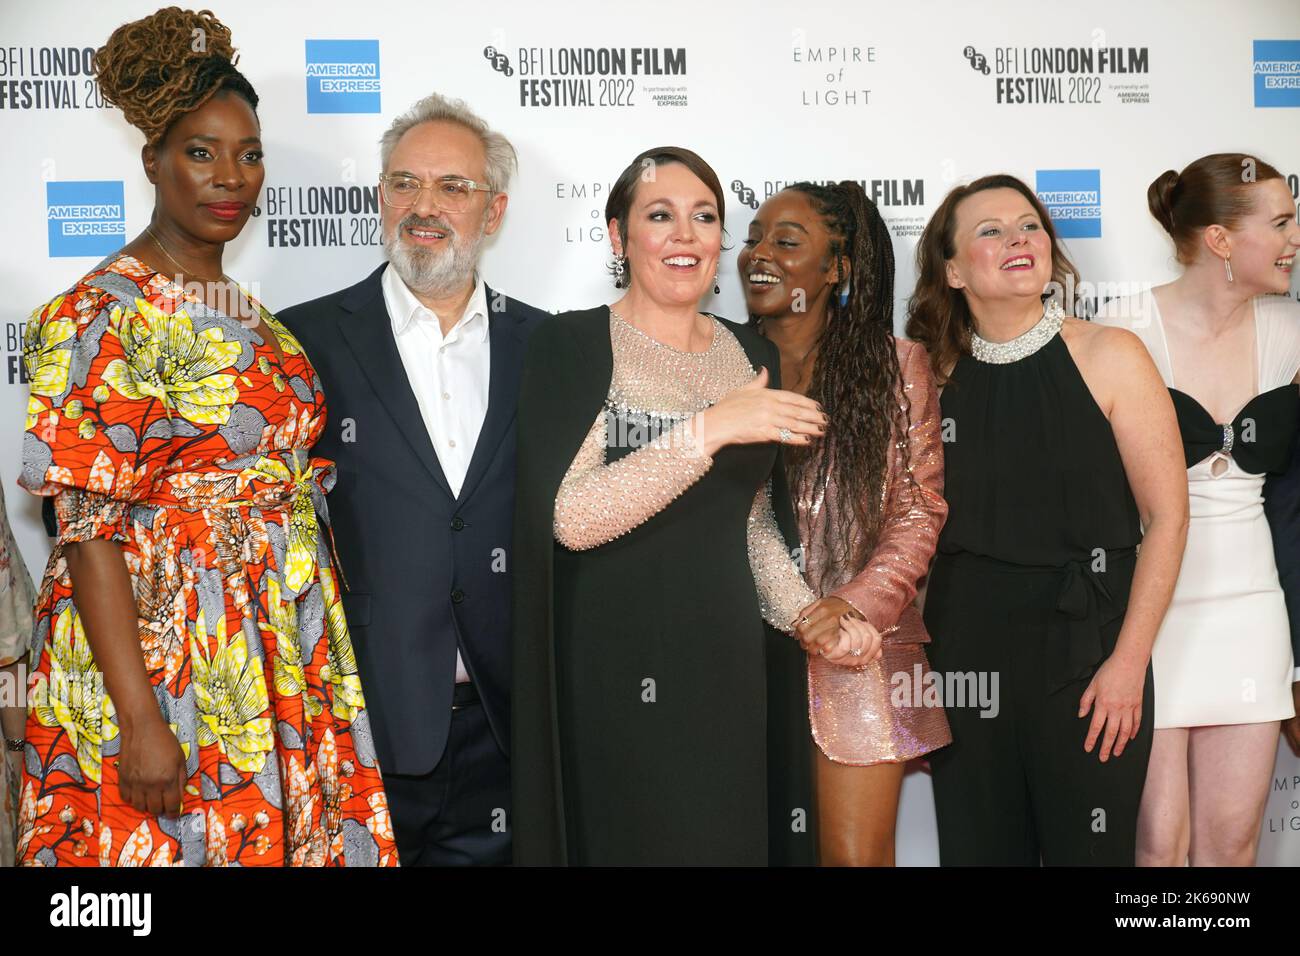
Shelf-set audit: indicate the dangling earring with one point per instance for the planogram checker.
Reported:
(1227, 266)
(844, 293)
(716, 290)
(620, 269)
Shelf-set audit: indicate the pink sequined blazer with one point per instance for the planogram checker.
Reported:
(884, 591)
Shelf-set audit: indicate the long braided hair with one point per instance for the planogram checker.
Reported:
(857, 380)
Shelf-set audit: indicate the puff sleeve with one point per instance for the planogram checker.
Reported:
(99, 411)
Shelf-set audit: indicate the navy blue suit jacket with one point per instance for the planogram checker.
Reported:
(426, 572)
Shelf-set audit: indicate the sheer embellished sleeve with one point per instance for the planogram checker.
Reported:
(914, 510)
(782, 593)
(598, 502)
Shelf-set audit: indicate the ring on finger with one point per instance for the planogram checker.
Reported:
(786, 436)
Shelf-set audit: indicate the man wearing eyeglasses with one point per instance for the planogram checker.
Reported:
(420, 366)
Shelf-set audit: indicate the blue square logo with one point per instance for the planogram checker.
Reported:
(1073, 200)
(343, 76)
(1277, 72)
(85, 218)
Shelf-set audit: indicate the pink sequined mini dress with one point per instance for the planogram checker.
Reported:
(877, 713)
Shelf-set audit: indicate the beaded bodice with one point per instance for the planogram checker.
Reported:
(657, 382)
(642, 452)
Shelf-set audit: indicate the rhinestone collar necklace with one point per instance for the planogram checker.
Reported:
(1023, 345)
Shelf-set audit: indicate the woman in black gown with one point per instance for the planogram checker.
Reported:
(1058, 437)
(656, 718)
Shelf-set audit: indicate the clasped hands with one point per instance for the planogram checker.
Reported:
(834, 629)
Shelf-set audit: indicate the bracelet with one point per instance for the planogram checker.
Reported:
(15, 744)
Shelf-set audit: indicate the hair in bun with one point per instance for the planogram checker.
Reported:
(167, 64)
(1160, 199)
(1213, 190)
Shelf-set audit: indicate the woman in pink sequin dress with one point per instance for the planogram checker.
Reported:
(817, 269)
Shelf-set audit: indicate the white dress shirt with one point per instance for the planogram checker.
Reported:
(448, 374)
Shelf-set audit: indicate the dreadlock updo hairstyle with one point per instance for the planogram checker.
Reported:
(857, 380)
(169, 63)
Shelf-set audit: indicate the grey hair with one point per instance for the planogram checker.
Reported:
(501, 158)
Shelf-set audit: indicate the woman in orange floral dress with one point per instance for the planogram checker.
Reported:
(226, 725)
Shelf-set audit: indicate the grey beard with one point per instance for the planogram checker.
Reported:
(434, 273)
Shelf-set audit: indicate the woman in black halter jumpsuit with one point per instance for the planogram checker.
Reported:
(1030, 583)
(1030, 586)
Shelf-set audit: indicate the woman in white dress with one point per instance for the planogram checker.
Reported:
(1228, 348)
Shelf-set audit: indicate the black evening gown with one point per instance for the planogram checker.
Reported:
(657, 719)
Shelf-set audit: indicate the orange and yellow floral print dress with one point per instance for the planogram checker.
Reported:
(173, 430)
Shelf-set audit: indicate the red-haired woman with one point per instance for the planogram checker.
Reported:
(1228, 348)
(1058, 438)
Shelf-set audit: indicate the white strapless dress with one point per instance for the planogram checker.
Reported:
(1223, 653)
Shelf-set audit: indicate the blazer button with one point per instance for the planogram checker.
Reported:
(457, 523)
(457, 595)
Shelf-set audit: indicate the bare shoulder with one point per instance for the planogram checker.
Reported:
(1091, 341)
(1090, 332)
(1112, 360)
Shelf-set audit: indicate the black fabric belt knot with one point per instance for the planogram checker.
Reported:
(1076, 647)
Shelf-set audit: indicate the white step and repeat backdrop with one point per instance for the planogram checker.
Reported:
(1086, 101)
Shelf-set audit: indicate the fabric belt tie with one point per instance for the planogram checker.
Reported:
(1076, 647)
(296, 483)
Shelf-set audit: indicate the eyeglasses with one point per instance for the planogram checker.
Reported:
(451, 193)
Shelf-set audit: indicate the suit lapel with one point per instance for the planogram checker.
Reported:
(369, 332)
(503, 392)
